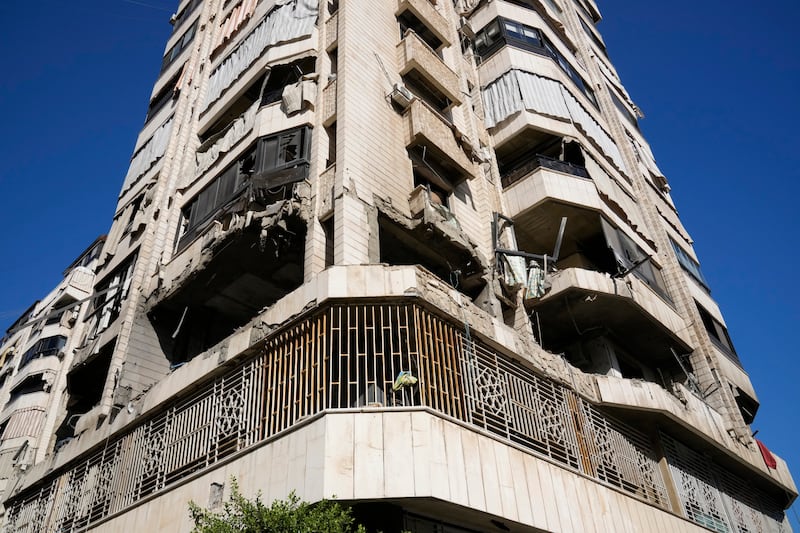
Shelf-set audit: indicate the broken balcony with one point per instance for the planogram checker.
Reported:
(584, 302)
(428, 130)
(416, 55)
(433, 240)
(235, 274)
(601, 282)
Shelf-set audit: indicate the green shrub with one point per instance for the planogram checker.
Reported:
(241, 515)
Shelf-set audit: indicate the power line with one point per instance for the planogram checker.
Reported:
(147, 5)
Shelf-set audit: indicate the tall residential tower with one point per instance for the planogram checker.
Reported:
(415, 254)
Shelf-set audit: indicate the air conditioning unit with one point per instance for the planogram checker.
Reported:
(401, 96)
(465, 28)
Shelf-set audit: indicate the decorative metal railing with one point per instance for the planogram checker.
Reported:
(717, 499)
(346, 356)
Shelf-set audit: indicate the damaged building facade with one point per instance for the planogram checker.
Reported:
(413, 254)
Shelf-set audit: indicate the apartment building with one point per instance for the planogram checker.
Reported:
(35, 354)
(413, 254)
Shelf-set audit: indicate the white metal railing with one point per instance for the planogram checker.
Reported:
(345, 356)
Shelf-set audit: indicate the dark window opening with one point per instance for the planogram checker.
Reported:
(429, 173)
(409, 21)
(250, 96)
(85, 384)
(425, 246)
(163, 97)
(331, 132)
(628, 255)
(173, 53)
(267, 89)
(423, 90)
(328, 228)
(46, 347)
(333, 6)
(748, 407)
(519, 158)
(3, 378)
(29, 385)
(718, 334)
(282, 75)
(333, 58)
(184, 14)
(110, 293)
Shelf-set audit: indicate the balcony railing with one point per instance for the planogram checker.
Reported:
(387, 356)
(542, 161)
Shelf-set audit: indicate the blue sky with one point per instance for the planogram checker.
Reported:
(717, 80)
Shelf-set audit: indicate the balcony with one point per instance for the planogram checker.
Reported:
(422, 371)
(424, 11)
(414, 54)
(580, 300)
(543, 161)
(78, 285)
(689, 412)
(425, 127)
(329, 106)
(332, 32)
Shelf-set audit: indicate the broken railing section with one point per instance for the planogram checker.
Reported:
(524, 269)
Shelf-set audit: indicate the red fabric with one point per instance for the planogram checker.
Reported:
(769, 459)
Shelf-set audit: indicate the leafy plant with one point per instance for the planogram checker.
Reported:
(242, 515)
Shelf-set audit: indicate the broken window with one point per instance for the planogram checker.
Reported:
(718, 334)
(173, 53)
(44, 348)
(29, 385)
(517, 159)
(267, 89)
(85, 384)
(432, 176)
(282, 158)
(110, 293)
(235, 110)
(434, 246)
(282, 75)
(328, 229)
(429, 94)
(249, 269)
(220, 192)
(331, 132)
(631, 258)
(274, 161)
